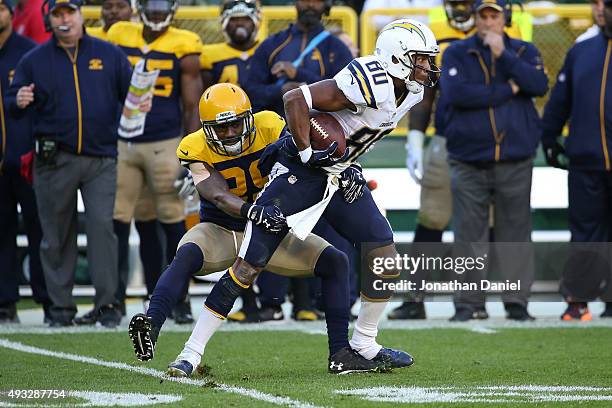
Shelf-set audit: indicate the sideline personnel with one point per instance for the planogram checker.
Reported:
(74, 85)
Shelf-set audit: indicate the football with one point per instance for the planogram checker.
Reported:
(324, 130)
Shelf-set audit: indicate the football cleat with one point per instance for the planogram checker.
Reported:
(347, 361)
(463, 314)
(607, 311)
(144, 335)
(518, 312)
(270, 313)
(180, 368)
(408, 311)
(87, 319)
(577, 311)
(393, 358)
(305, 316)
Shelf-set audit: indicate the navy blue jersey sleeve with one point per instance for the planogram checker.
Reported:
(464, 94)
(124, 74)
(261, 91)
(559, 106)
(23, 76)
(526, 69)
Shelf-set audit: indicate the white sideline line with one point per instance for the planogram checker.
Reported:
(318, 328)
(482, 330)
(258, 395)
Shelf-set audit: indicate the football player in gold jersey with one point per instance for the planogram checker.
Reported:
(112, 12)
(150, 158)
(228, 61)
(430, 168)
(145, 216)
(223, 158)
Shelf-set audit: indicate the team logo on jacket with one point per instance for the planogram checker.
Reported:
(95, 64)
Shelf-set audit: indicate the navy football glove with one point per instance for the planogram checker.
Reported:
(352, 183)
(324, 158)
(269, 217)
(555, 156)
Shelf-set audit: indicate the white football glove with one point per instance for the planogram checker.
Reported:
(414, 154)
(185, 186)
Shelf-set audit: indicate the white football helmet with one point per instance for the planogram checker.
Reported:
(396, 45)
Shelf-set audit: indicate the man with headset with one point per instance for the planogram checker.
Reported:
(74, 85)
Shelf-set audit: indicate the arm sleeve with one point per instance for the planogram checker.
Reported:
(124, 75)
(191, 45)
(23, 76)
(463, 94)
(559, 106)
(262, 89)
(205, 61)
(527, 70)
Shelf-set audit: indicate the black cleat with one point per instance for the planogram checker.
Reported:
(270, 313)
(463, 314)
(518, 312)
(408, 311)
(8, 314)
(109, 316)
(144, 336)
(347, 361)
(607, 311)
(87, 319)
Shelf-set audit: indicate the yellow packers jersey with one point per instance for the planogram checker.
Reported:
(227, 64)
(98, 32)
(165, 54)
(240, 172)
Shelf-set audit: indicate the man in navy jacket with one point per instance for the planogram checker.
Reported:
(15, 189)
(272, 72)
(74, 85)
(583, 96)
(493, 129)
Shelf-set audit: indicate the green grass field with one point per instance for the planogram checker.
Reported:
(459, 367)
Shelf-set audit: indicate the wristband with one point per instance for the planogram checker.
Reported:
(305, 154)
(307, 95)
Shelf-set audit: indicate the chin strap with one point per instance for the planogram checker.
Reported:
(414, 87)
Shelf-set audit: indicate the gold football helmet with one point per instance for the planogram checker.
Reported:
(223, 107)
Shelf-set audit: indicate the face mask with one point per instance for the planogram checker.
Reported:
(240, 35)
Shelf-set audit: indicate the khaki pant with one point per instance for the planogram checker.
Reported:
(149, 166)
(220, 246)
(436, 200)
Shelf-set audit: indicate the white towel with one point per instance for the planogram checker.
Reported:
(302, 223)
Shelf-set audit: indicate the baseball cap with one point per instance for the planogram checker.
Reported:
(499, 5)
(8, 4)
(53, 4)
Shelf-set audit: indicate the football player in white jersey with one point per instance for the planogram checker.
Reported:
(368, 98)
